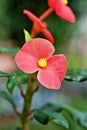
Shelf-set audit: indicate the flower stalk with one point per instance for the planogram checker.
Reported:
(27, 103)
(46, 14)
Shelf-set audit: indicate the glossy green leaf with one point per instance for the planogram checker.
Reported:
(46, 115)
(16, 79)
(78, 75)
(3, 74)
(41, 117)
(13, 51)
(5, 96)
(27, 36)
(59, 119)
(54, 112)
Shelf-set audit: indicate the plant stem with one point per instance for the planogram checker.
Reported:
(46, 14)
(27, 103)
(35, 29)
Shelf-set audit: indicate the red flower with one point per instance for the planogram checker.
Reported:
(38, 26)
(36, 55)
(62, 10)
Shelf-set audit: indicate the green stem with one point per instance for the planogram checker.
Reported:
(27, 103)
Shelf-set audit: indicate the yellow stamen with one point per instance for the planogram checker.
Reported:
(42, 63)
(65, 2)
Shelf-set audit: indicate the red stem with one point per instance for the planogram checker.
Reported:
(46, 14)
(42, 17)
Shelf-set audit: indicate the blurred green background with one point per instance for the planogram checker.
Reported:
(70, 39)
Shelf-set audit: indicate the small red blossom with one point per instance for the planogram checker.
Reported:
(37, 55)
(62, 10)
(39, 26)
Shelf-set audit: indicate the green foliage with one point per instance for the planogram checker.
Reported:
(16, 79)
(78, 116)
(53, 112)
(20, 77)
(78, 75)
(41, 117)
(27, 36)
(48, 113)
(13, 51)
(3, 74)
(44, 116)
(5, 96)
(59, 119)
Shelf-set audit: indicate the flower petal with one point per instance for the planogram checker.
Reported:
(48, 79)
(64, 11)
(33, 18)
(52, 76)
(39, 48)
(58, 63)
(52, 3)
(25, 62)
(31, 52)
(48, 35)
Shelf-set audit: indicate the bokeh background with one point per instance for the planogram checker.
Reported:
(70, 39)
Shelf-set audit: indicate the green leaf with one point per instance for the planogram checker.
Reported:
(27, 36)
(16, 79)
(78, 116)
(13, 51)
(59, 119)
(78, 75)
(41, 117)
(3, 74)
(81, 118)
(45, 115)
(53, 112)
(5, 96)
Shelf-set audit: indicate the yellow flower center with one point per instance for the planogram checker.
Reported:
(42, 63)
(65, 2)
